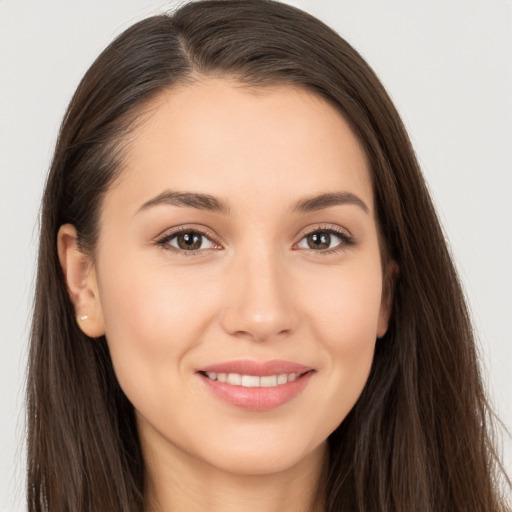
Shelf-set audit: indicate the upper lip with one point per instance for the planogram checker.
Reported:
(258, 368)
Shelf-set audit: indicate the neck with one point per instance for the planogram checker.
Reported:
(182, 484)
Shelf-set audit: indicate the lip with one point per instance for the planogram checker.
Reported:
(257, 398)
(259, 368)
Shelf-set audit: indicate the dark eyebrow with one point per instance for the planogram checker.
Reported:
(192, 199)
(321, 201)
(214, 204)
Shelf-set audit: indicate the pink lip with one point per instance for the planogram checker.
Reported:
(257, 398)
(260, 368)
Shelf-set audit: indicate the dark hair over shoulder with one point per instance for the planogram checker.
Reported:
(419, 437)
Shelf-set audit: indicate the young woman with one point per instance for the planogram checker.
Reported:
(244, 298)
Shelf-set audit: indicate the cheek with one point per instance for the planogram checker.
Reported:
(351, 322)
(147, 301)
(345, 310)
(152, 319)
(345, 321)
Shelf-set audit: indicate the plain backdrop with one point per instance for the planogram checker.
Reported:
(448, 66)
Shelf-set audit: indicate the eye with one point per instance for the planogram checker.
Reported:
(326, 240)
(187, 241)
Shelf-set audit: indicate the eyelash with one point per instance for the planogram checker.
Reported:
(346, 240)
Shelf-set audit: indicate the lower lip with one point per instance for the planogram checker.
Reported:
(258, 398)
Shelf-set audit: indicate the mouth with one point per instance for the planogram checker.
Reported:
(253, 381)
(256, 386)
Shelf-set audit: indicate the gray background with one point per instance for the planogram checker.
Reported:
(448, 66)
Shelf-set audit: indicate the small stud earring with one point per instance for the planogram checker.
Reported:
(82, 318)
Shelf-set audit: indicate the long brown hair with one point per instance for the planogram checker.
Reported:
(419, 437)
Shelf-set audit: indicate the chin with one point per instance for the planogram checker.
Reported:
(257, 460)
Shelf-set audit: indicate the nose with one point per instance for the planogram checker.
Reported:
(261, 303)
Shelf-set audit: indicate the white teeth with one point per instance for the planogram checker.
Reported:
(268, 381)
(253, 381)
(235, 379)
(282, 379)
(250, 381)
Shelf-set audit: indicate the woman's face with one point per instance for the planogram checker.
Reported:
(237, 276)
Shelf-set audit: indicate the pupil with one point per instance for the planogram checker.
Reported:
(320, 241)
(189, 241)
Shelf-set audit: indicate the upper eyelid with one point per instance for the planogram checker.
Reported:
(171, 233)
(326, 227)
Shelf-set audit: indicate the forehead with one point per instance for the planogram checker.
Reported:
(248, 145)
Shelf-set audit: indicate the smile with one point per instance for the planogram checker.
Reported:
(253, 381)
(256, 386)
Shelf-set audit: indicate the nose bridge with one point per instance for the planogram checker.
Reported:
(260, 303)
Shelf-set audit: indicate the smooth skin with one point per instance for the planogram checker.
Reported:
(259, 286)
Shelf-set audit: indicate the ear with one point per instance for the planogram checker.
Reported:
(80, 276)
(386, 305)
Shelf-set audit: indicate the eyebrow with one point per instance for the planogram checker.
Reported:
(211, 203)
(191, 199)
(327, 200)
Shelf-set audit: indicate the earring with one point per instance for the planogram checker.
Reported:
(82, 318)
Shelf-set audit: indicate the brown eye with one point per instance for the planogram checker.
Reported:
(325, 240)
(319, 240)
(188, 241)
